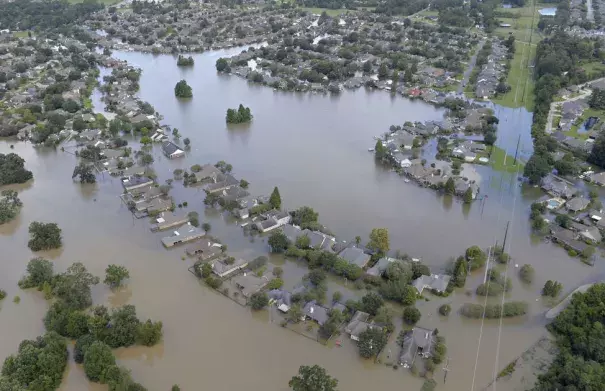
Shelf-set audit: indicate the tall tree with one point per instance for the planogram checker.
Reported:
(313, 378)
(379, 240)
(275, 199)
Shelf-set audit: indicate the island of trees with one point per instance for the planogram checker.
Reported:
(183, 90)
(39, 364)
(239, 116)
(12, 169)
(10, 205)
(184, 61)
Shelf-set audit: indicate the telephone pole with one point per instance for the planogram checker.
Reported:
(505, 236)
(517, 150)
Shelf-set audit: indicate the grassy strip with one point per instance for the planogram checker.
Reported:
(500, 161)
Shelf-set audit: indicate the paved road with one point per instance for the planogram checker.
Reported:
(556, 310)
(469, 69)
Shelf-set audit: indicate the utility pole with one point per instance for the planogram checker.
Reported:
(505, 236)
(446, 369)
(517, 150)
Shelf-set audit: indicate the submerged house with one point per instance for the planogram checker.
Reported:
(281, 298)
(435, 282)
(358, 324)
(135, 182)
(355, 256)
(226, 266)
(171, 150)
(248, 283)
(316, 312)
(168, 220)
(204, 249)
(184, 234)
(273, 220)
(418, 341)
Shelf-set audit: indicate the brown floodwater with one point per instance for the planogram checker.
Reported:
(315, 149)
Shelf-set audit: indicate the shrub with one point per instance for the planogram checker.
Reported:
(494, 311)
(526, 274)
(445, 309)
(411, 315)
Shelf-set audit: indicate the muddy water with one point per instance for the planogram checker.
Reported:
(315, 149)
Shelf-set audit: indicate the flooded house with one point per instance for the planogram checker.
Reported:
(355, 256)
(168, 220)
(228, 265)
(358, 324)
(204, 249)
(222, 182)
(136, 182)
(184, 234)
(171, 150)
(248, 283)
(316, 312)
(282, 299)
(435, 282)
(418, 341)
(273, 220)
(208, 173)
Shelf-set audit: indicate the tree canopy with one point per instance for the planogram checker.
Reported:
(183, 90)
(44, 236)
(275, 199)
(313, 378)
(115, 274)
(12, 169)
(38, 365)
(10, 205)
(371, 342)
(379, 240)
(239, 116)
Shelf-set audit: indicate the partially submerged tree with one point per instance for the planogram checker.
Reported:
(313, 378)
(115, 274)
(44, 236)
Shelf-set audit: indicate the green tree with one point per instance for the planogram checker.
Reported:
(371, 342)
(82, 344)
(275, 199)
(115, 274)
(371, 302)
(39, 271)
(475, 257)
(411, 315)
(73, 286)
(206, 227)
(278, 271)
(275, 283)
(10, 205)
(97, 359)
(295, 313)
(468, 196)
(552, 288)
(303, 242)
(244, 184)
(182, 90)
(84, 171)
(259, 300)
(222, 65)
(278, 241)
(149, 333)
(336, 296)
(537, 167)
(379, 240)
(304, 216)
(450, 187)
(445, 309)
(175, 388)
(526, 274)
(313, 378)
(44, 236)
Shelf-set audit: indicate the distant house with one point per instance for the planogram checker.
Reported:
(418, 341)
(135, 182)
(598, 179)
(248, 284)
(282, 299)
(223, 182)
(577, 204)
(204, 249)
(154, 205)
(171, 150)
(355, 256)
(436, 282)
(316, 312)
(184, 234)
(222, 267)
(168, 220)
(358, 324)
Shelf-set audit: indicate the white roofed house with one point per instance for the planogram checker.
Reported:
(184, 234)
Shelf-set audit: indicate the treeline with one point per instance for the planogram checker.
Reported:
(401, 7)
(494, 311)
(557, 65)
(29, 14)
(580, 337)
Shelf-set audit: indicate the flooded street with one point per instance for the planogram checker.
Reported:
(314, 148)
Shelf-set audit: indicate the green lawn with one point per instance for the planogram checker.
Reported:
(595, 66)
(20, 34)
(500, 161)
(106, 2)
(87, 103)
